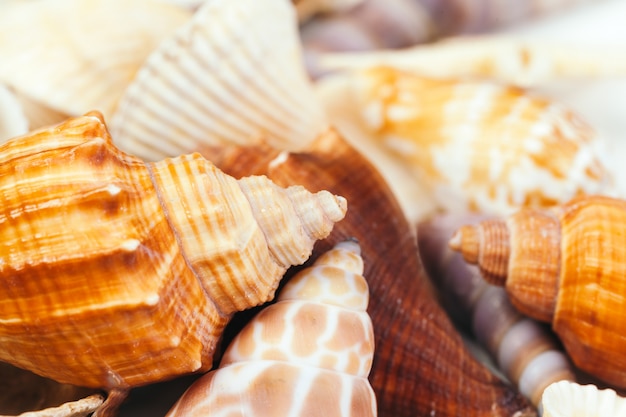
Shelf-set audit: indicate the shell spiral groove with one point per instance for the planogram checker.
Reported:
(564, 266)
(116, 273)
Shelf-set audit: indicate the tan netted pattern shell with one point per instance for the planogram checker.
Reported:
(116, 273)
(308, 354)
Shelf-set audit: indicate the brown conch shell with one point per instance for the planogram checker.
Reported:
(116, 273)
(421, 366)
(565, 266)
(314, 347)
(466, 145)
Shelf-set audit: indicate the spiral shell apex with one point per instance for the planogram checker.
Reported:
(308, 354)
(116, 273)
(564, 266)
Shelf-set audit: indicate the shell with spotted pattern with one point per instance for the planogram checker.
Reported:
(308, 354)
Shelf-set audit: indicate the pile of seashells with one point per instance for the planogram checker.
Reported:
(317, 207)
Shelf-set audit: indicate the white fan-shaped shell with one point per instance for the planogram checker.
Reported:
(569, 399)
(233, 73)
(79, 55)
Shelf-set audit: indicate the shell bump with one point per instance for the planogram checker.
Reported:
(116, 273)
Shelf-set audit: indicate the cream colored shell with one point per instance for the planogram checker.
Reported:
(116, 273)
(308, 354)
(569, 399)
(73, 56)
(232, 74)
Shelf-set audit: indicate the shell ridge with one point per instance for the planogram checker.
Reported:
(167, 216)
(273, 256)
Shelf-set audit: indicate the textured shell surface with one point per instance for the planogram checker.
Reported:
(233, 73)
(564, 266)
(477, 145)
(115, 273)
(52, 43)
(414, 338)
(569, 399)
(525, 351)
(313, 348)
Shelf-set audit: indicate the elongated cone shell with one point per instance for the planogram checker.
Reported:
(116, 273)
(307, 354)
(471, 145)
(565, 266)
(421, 366)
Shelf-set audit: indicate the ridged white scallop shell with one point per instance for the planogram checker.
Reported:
(569, 399)
(78, 55)
(308, 354)
(233, 73)
(13, 121)
(475, 145)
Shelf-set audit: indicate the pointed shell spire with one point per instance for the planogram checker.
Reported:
(310, 353)
(126, 271)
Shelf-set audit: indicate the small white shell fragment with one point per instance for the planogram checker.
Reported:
(569, 399)
(233, 74)
(78, 408)
(13, 121)
(55, 57)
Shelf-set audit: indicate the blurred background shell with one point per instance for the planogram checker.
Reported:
(55, 58)
(466, 146)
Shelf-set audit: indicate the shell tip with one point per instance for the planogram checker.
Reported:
(466, 241)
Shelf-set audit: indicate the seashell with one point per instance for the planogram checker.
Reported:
(314, 347)
(232, 73)
(99, 248)
(564, 266)
(568, 399)
(13, 121)
(507, 58)
(53, 44)
(407, 32)
(470, 145)
(421, 365)
(79, 408)
(524, 350)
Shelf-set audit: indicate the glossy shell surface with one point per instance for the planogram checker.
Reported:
(314, 347)
(116, 273)
(565, 266)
